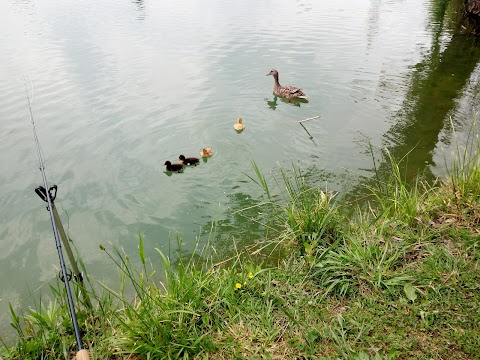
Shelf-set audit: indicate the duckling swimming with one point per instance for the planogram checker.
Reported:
(206, 152)
(173, 167)
(188, 161)
(239, 125)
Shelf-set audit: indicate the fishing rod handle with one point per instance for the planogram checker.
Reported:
(82, 355)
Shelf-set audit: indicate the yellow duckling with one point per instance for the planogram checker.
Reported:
(206, 152)
(239, 125)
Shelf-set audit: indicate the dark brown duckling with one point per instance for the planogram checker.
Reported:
(173, 167)
(188, 161)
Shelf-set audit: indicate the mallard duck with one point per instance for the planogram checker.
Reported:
(289, 92)
(239, 125)
(206, 152)
(188, 161)
(173, 167)
(473, 7)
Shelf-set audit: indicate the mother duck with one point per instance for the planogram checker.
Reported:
(289, 92)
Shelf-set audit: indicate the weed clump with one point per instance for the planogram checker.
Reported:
(394, 277)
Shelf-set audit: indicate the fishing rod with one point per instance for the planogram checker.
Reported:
(48, 195)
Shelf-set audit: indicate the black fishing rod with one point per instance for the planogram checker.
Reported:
(48, 195)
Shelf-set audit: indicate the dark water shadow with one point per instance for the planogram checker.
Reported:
(245, 222)
(252, 219)
(436, 84)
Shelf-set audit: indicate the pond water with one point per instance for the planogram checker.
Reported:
(119, 87)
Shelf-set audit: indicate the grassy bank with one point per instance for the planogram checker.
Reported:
(395, 277)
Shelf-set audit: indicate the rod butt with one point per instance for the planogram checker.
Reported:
(82, 355)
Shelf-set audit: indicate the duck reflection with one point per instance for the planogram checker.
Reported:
(141, 9)
(272, 104)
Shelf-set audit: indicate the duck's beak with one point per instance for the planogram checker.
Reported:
(270, 73)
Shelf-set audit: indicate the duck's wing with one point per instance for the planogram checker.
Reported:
(192, 160)
(294, 91)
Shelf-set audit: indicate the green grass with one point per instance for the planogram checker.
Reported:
(398, 199)
(395, 278)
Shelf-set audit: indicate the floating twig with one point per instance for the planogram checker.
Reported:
(315, 117)
(309, 135)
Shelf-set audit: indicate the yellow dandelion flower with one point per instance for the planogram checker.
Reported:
(250, 275)
(238, 285)
(245, 283)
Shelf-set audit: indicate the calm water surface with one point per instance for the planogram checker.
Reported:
(119, 87)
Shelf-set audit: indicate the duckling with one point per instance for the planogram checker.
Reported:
(173, 167)
(206, 152)
(188, 161)
(239, 125)
(289, 92)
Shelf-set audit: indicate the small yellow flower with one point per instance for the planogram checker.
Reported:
(245, 283)
(238, 285)
(250, 275)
